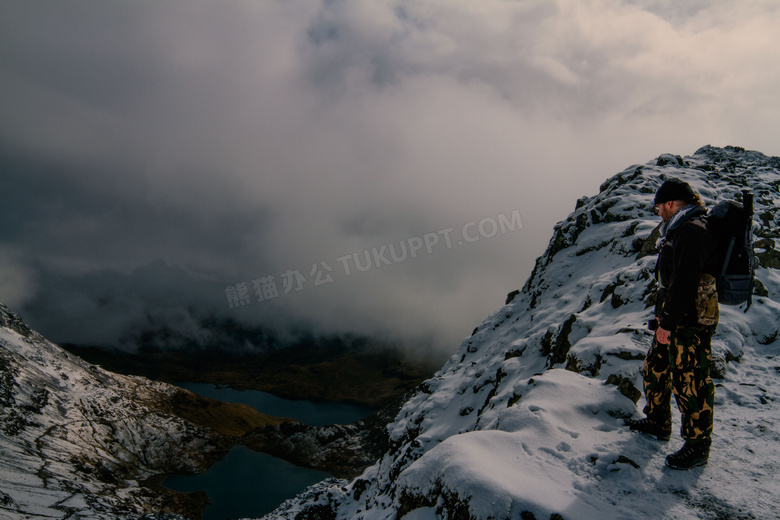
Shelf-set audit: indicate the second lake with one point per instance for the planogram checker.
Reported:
(250, 484)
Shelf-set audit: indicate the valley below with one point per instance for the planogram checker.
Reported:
(328, 370)
(325, 372)
(91, 433)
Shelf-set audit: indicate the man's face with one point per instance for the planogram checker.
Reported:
(666, 210)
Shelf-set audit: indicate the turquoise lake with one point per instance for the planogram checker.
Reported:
(309, 412)
(250, 484)
(246, 484)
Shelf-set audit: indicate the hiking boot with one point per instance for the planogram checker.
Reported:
(689, 456)
(661, 431)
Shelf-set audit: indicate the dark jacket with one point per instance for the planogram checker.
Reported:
(687, 254)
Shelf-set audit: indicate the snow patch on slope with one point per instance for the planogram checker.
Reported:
(525, 420)
(541, 452)
(79, 442)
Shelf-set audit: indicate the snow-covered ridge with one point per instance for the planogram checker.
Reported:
(78, 442)
(525, 421)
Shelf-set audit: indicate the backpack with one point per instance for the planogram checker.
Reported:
(731, 224)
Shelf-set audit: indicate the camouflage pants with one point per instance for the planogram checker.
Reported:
(682, 367)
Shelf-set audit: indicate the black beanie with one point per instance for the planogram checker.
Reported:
(675, 189)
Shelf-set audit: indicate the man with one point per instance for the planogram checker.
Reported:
(680, 357)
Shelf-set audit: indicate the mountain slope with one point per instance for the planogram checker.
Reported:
(79, 442)
(525, 421)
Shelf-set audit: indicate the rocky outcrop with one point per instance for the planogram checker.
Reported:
(80, 442)
(343, 450)
(506, 428)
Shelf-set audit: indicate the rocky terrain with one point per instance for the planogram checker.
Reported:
(80, 442)
(526, 419)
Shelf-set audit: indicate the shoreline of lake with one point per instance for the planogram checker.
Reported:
(231, 484)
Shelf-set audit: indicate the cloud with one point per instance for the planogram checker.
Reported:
(240, 139)
(17, 280)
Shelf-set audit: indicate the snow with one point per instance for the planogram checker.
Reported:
(75, 440)
(422, 513)
(564, 451)
(522, 423)
(530, 462)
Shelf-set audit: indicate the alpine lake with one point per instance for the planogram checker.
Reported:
(248, 484)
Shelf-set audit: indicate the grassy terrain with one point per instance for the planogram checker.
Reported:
(318, 372)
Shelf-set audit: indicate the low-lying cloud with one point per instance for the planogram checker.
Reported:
(236, 140)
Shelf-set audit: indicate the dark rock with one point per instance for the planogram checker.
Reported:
(666, 159)
(561, 348)
(626, 387)
(14, 322)
(317, 512)
(622, 459)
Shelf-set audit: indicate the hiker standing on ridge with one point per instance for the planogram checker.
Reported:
(680, 357)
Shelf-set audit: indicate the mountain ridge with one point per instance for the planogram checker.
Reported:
(81, 442)
(525, 420)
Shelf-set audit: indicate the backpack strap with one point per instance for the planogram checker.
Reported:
(728, 256)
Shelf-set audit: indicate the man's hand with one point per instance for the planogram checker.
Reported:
(662, 336)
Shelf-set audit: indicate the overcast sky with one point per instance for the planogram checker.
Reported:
(233, 140)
